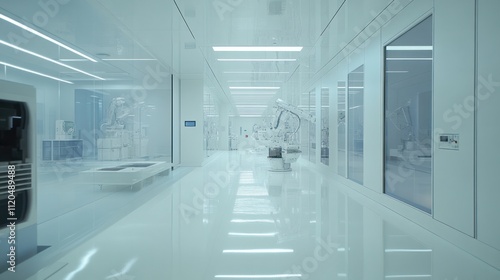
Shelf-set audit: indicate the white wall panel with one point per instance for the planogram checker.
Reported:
(373, 116)
(488, 91)
(453, 89)
(192, 110)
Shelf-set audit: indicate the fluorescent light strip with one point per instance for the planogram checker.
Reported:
(253, 93)
(407, 250)
(251, 106)
(258, 251)
(252, 81)
(409, 48)
(73, 59)
(409, 276)
(34, 72)
(254, 87)
(129, 59)
(394, 71)
(256, 59)
(253, 234)
(49, 59)
(252, 221)
(261, 276)
(257, 49)
(409, 58)
(41, 35)
(256, 72)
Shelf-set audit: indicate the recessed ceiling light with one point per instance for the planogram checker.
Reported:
(34, 72)
(394, 71)
(258, 251)
(253, 93)
(252, 221)
(129, 59)
(48, 59)
(257, 276)
(41, 35)
(409, 58)
(409, 48)
(256, 72)
(254, 87)
(252, 106)
(253, 234)
(72, 59)
(257, 49)
(257, 59)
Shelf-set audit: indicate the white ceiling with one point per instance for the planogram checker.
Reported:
(174, 35)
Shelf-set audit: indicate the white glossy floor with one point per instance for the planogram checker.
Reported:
(233, 219)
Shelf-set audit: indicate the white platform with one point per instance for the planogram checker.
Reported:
(127, 173)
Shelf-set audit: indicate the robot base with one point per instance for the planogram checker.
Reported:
(279, 165)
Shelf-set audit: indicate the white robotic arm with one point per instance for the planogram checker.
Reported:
(282, 105)
(282, 150)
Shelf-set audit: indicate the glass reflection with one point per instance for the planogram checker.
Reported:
(355, 124)
(341, 128)
(325, 126)
(408, 116)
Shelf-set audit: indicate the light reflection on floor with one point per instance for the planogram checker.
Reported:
(233, 219)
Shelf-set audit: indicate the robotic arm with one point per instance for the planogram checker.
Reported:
(282, 150)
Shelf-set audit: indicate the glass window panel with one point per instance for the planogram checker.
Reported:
(408, 116)
(355, 124)
(341, 128)
(325, 125)
(312, 127)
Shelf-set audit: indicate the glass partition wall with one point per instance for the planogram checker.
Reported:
(325, 125)
(341, 128)
(408, 116)
(355, 92)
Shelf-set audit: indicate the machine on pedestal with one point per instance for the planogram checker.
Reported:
(283, 146)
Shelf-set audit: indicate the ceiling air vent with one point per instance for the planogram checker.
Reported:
(276, 7)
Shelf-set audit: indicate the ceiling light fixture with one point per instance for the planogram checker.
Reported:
(267, 234)
(409, 48)
(259, 251)
(254, 87)
(252, 106)
(261, 276)
(257, 59)
(72, 59)
(256, 72)
(396, 71)
(252, 93)
(49, 59)
(252, 221)
(257, 49)
(34, 72)
(409, 58)
(129, 59)
(251, 81)
(41, 35)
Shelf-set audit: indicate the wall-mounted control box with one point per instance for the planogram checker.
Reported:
(449, 141)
